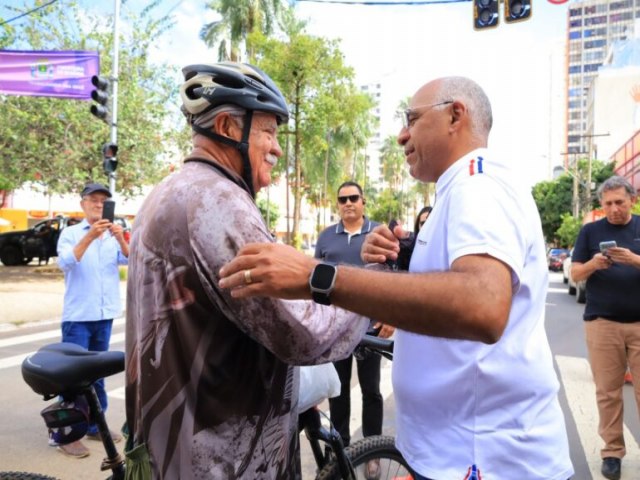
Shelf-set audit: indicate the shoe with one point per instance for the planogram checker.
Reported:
(115, 436)
(627, 377)
(611, 468)
(74, 449)
(372, 469)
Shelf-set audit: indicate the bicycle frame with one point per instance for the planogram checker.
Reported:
(310, 422)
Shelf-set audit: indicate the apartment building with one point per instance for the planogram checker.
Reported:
(593, 28)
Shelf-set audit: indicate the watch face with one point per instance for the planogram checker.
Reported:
(323, 276)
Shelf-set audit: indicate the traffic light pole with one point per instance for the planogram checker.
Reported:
(114, 87)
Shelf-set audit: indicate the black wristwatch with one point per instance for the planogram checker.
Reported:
(321, 281)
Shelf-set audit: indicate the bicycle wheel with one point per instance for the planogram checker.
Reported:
(379, 447)
(24, 476)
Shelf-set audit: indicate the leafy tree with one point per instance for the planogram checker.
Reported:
(387, 206)
(393, 162)
(555, 197)
(238, 19)
(568, 230)
(55, 144)
(270, 213)
(330, 117)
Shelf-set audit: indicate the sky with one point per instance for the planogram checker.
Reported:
(404, 46)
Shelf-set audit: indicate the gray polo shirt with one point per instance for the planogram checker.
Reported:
(335, 244)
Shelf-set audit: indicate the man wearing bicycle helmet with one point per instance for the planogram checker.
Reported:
(211, 391)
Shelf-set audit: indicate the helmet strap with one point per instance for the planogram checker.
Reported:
(242, 146)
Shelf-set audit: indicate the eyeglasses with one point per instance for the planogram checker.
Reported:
(351, 198)
(408, 116)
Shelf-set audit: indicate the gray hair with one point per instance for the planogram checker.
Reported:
(206, 119)
(473, 96)
(614, 183)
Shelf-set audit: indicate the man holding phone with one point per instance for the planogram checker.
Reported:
(607, 256)
(89, 254)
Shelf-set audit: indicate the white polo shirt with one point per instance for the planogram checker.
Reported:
(462, 403)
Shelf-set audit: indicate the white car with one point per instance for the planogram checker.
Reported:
(578, 289)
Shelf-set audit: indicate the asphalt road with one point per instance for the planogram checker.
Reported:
(23, 435)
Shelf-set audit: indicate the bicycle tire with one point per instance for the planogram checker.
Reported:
(24, 476)
(392, 464)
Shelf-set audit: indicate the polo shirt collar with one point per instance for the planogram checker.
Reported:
(366, 226)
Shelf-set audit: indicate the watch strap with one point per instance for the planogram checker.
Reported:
(321, 298)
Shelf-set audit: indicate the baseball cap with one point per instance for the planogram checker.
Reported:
(90, 188)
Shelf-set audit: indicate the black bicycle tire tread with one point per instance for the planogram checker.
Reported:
(24, 476)
(377, 446)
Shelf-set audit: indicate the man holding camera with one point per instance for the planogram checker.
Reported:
(89, 254)
(607, 255)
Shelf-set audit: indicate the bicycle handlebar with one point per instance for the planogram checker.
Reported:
(380, 346)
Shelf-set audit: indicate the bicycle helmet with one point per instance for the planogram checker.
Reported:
(208, 86)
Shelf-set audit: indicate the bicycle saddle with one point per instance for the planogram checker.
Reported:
(67, 368)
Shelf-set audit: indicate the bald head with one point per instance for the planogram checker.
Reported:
(446, 119)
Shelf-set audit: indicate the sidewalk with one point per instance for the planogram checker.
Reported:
(32, 295)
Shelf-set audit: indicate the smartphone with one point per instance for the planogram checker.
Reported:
(109, 210)
(604, 246)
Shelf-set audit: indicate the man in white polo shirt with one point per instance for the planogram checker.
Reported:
(474, 384)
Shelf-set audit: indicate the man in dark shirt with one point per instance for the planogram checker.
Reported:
(341, 243)
(612, 311)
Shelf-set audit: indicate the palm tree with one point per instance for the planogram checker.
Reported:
(238, 19)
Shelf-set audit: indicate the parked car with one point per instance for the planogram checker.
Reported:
(40, 241)
(579, 289)
(555, 257)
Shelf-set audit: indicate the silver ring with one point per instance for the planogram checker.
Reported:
(247, 277)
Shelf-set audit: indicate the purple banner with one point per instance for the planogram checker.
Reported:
(62, 74)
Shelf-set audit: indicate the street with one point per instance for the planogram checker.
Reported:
(24, 438)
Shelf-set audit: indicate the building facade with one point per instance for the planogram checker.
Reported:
(594, 26)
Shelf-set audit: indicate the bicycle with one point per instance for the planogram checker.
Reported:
(340, 463)
(69, 371)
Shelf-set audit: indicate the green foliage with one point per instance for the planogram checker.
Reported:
(56, 143)
(270, 213)
(387, 206)
(555, 197)
(331, 119)
(239, 19)
(568, 230)
(393, 162)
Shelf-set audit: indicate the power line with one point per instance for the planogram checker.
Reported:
(28, 13)
(390, 2)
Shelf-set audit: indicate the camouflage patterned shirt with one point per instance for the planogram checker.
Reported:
(210, 386)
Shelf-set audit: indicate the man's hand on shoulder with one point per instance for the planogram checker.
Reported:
(268, 269)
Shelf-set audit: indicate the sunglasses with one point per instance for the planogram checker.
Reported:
(351, 198)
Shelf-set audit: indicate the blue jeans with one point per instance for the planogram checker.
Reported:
(93, 336)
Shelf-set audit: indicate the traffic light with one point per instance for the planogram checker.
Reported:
(109, 157)
(516, 10)
(101, 96)
(485, 13)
